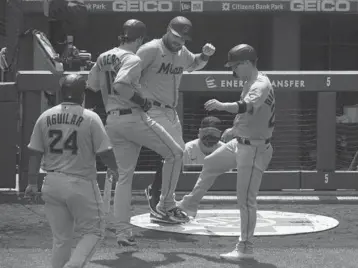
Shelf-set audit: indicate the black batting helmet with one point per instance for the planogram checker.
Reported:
(134, 29)
(73, 86)
(182, 27)
(241, 52)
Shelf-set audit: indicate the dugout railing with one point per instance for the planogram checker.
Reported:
(324, 85)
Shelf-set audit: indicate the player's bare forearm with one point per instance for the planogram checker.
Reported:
(34, 166)
(199, 63)
(108, 159)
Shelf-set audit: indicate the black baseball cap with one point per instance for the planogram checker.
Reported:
(239, 53)
(182, 27)
(133, 29)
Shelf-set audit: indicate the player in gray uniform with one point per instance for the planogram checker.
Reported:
(250, 151)
(68, 138)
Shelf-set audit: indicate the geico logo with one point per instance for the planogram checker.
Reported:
(320, 5)
(147, 6)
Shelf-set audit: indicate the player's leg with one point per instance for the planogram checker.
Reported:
(60, 219)
(153, 191)
(169, 120)
(86, 205)
(153, 136)
(218, 162)
(126, 153)
(252, 161)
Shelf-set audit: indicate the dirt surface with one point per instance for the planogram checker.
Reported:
(25, 240)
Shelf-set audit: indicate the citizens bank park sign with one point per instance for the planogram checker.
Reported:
(231, 6)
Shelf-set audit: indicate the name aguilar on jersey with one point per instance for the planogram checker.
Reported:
(168, 68)
(65, 119)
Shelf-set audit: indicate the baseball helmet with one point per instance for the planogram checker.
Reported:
(239, 53)
(73, 86)
(134, 29)
(182, 27)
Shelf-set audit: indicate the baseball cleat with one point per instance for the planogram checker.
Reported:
(126, 239)
(190, 213)
(172, 216)
(237, 255)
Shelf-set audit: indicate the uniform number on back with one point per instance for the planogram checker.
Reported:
(70, 144)
(110, 76)
(270, 101)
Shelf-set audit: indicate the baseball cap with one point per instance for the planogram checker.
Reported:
(182, 27)
(133, 29)
(211, 125)
(240, 52)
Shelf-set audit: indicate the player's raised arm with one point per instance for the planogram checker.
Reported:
(198, 61)
(93, 80)
(147, 54)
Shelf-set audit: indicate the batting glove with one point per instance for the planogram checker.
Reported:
(208, 50)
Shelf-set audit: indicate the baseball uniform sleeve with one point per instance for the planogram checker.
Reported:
(100, 139)
(190, 62)
(36, 140)
(147, 54)
(93, 80)
(257, 94)
(130, 71)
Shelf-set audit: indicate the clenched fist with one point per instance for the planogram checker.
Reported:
(208, 50)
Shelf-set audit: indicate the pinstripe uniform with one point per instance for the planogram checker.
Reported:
(69, 137)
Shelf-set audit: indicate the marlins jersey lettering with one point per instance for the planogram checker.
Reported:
(115, 66)
(257, 124)
(69, 137)
(193, 155)
(162, 71)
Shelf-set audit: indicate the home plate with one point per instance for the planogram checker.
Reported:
(227, 223)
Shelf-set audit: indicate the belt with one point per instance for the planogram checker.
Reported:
(158, 104)
(246, 141)
(120, 112)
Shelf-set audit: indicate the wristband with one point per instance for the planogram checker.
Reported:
(137, 99)
(204, 57)
(242, 107)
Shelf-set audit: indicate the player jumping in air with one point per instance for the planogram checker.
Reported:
(68, 137)
(163, 63)
(250, 151)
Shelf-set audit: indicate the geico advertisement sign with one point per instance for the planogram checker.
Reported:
(321, 5)
(139, 6)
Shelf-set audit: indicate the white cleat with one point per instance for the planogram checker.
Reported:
(236, 255)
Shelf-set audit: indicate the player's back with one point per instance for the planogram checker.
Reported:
(68, 140)
(260, 124)
(110, 63)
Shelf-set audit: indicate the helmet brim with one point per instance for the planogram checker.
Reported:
(186, 37)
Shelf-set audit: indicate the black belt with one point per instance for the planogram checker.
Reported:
(248, 142)
(121, 111)
(157, 103)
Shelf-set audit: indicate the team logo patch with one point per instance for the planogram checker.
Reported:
(227, 223)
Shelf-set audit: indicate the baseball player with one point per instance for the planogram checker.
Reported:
(69, 137)
(129, 128)
(250, 152)
(207, 142)
(163, 62)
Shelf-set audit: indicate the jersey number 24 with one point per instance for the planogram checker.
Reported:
(70, 144)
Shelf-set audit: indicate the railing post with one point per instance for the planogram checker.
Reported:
(326, 132)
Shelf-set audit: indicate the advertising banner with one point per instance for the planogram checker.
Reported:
(231, 6)
(287, 81)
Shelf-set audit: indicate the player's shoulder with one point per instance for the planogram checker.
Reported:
(150, 46)
(131, 57)
(192, 144)
(262, 81)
